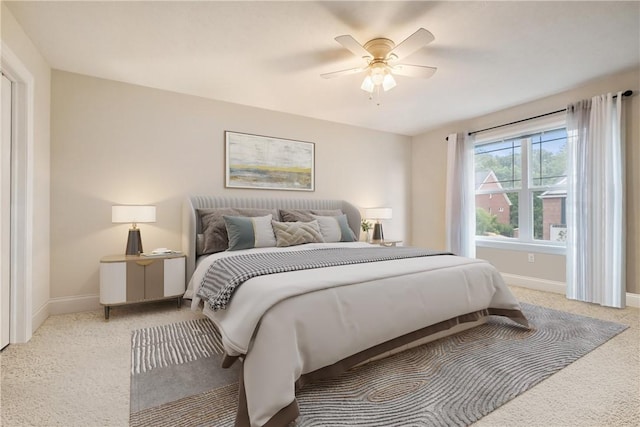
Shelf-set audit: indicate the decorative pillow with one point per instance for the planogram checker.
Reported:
(249, 232)
(306, 215)
(296, 233)
(214, 228)
(335, 228)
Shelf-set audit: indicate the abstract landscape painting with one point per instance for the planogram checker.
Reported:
(263, 162)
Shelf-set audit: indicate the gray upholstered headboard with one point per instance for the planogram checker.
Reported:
(191, 225)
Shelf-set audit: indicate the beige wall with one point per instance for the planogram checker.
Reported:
(14, 38)
(118, 143)
(516, 262)
(429, 153)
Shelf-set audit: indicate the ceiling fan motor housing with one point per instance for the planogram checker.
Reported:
(379, 48)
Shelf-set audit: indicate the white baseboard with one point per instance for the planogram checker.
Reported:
(535, 283)
(76, 304)
(632, 300)
(40, 316)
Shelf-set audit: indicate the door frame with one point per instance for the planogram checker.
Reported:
(5, 215)
(22, 173)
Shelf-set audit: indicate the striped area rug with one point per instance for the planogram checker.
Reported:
(173, 344)
(454, 381)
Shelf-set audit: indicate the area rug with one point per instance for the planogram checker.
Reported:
(176, 379)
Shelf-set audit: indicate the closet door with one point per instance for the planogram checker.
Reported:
(5, 211)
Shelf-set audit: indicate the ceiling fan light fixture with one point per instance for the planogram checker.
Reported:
(367, 84)
(388, 82)
(378, 76)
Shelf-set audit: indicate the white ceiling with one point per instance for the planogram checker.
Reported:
(489, 55)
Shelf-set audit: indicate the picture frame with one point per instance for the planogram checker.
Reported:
(268, 163)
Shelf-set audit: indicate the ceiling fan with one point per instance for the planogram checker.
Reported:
(381, 56)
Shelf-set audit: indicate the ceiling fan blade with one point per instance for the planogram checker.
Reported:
(356, 48)
(413, 70)
(343, 72)
(412, 43)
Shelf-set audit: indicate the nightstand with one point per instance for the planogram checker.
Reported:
(131, 279)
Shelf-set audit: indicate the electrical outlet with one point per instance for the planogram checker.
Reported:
(531, 258)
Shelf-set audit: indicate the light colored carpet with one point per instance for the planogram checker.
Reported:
(76, 372)
(451, 382)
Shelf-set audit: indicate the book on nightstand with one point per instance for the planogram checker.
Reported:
(160, 252)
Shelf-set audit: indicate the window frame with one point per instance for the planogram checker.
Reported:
(525, 242)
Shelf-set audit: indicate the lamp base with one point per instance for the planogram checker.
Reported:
(378, 235)
(134, 242)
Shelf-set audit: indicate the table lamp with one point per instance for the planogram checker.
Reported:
(378, 214)
(133, 214)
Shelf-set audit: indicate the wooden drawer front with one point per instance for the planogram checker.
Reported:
(145, 280)
(135, 281)
(154, 280)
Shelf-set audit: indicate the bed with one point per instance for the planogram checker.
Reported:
(300, 325)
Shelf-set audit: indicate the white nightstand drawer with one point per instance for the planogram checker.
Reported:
(112, 276)
(174, 274)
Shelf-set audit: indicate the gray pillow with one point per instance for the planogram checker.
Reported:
(305, 215)
(214, 228)
(296, 233)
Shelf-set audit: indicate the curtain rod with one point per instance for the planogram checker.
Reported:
(626, 93)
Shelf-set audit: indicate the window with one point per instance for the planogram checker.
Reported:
(520, 189)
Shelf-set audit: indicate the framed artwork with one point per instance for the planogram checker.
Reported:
(264, 162)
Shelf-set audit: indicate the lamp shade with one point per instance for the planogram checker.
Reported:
(133, 213)
(389, 82)
(367, 84)
(378, 213)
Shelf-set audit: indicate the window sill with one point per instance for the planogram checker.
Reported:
(521, 246)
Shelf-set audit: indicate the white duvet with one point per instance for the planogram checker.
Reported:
(293, 323)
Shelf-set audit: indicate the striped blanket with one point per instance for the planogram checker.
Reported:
(225, 275)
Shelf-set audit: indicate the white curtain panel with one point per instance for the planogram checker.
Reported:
(460, 212)
(595, 202)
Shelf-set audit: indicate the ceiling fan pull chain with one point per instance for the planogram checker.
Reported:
(377, 96)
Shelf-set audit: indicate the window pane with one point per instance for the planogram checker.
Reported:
(549, 215)
(497, 215)
(497, 165)
(549, 158)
